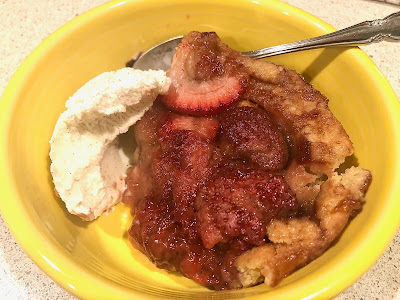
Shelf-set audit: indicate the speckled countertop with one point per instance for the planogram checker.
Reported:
(24, 24)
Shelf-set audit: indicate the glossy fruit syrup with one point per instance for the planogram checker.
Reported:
(204, 189)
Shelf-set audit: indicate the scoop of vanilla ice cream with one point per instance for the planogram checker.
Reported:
(87, 165)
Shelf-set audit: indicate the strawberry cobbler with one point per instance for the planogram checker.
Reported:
(236, 181)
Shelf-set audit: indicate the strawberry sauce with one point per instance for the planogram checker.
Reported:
(204, 189)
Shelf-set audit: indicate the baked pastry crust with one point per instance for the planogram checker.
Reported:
(320, 146)
(296, 242)
(320, 141)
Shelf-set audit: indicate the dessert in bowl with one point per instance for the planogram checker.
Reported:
(98, 254)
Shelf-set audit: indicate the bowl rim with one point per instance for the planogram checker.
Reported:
(69, 276)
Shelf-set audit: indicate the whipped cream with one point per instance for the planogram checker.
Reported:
(88, 165)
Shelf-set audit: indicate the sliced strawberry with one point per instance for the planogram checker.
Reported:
(206, 127)
(205, 77)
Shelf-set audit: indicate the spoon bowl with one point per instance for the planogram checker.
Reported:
(158, 57)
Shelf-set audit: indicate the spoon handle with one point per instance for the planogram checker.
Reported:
(363, 33)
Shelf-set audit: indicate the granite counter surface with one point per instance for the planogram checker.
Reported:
(24, 24)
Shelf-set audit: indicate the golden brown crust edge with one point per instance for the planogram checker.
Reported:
(321, 144)
(296, 242)
(320, 140)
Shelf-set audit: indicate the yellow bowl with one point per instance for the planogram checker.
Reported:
(95, 260)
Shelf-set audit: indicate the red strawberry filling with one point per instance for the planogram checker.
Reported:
(205, 77)
(206, 127)
(197, 206)
(239, 202)
(205, 187)
(249, 133)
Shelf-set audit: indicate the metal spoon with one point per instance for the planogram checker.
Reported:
(160, 57)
